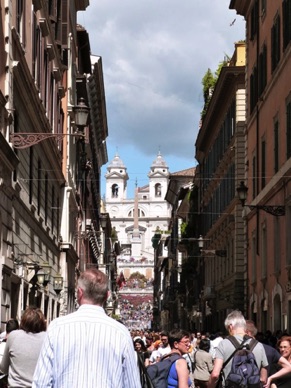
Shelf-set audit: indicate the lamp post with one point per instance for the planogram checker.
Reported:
(58, 283)
(274, 210)
(43, 274)
(81, 113)
(22, 140)
(103, 220)
(200, 240)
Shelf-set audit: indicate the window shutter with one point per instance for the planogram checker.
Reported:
(65, 23)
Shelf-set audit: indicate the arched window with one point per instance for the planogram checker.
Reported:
(158, 190)
(114, 191)
(141, 213)
(277, 312)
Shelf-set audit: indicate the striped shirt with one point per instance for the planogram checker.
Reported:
(87, 349)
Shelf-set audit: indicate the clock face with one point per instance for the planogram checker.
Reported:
(114, 209)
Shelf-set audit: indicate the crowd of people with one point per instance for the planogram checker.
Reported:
(136, 311)
(87, 348)
(207, 353)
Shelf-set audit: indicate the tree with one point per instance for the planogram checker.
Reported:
(209, 81)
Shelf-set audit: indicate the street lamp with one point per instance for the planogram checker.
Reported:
(81, 113)
(274, 210)
(43, 274)
(216, 252)
(200, 241)
(58, 283)
(22, 140)
(103, 220)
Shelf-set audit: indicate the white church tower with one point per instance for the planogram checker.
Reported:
(116, 180)
(159, 179)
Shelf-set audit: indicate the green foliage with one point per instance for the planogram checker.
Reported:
(209, 81)
(137, 275)
(183, 229)
(138, 279)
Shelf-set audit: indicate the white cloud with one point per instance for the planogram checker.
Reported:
(154, 55)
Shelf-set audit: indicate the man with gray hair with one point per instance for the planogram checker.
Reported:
(87, 348)
(235, 324)
(273, 357)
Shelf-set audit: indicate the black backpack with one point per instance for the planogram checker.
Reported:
(244, 372)
(145, 380)
(159, 371)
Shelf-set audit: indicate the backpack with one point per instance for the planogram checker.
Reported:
(159, 371)
(145, 380)
(244, 372)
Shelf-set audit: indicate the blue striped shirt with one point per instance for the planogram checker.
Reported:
(87, 349)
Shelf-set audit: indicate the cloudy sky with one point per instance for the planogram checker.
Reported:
(155, 54)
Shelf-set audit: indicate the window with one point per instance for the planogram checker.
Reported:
(36, 54)
(264, 251)
(31, 174)
(263, 7)
(276, 146)
(221, 144)
(254, 177)
(288, 129)
(254, 258)
(53, 209)
(158, 190)
(275, 42)
(253, 89)
(114, 190)
(52, 9)
(46, 77)
(277, 245)
(16, 129)
(277, 303)
(263, 69)
(58, 26)
(263, 166)
(38, 186)
(286, 23)
(58, 218)
(45, 198)
(254, 19)
(141, 213)
(20, 20)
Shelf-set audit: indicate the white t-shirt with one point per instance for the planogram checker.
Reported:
(213, 345)
(155, 356)
(164, 351)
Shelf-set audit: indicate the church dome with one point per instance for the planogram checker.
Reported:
(159, 161)
(116, 162)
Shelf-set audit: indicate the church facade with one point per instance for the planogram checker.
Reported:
(136, 220)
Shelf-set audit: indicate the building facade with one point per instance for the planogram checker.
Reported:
(267, 174)
(134, 223)
(50, 162)
(220, 152)
(135, 220)
(173, 283)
